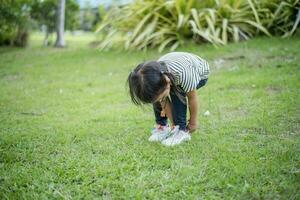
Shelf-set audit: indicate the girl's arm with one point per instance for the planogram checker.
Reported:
(193, 108)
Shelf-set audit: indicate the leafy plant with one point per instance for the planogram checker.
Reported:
(149, 23)
(162, 24)
(14, 22)
(283, 17)
(227, 21)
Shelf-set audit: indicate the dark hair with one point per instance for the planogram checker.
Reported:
(147, 81)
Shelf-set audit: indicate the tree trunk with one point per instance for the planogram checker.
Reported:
(60, 24)
(46, 39)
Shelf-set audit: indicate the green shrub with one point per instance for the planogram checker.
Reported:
(281, 17)
(160, 23)
(14, 22)
(227, 21)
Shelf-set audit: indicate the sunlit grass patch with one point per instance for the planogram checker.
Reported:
(68, 128)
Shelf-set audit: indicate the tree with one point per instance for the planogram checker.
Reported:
(60, 24)
(14, 22)
(44, 13)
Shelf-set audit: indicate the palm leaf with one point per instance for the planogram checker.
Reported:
(195, 16)
(254, 11)
(294, 26)
(180, 21)
(259, 26)
(108, 40)
(174, 46)
(197, 31)
(148, 30)
(165, 43)
(140, 25)
(224, 30)
(236, 37)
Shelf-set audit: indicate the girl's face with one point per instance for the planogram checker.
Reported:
(162, 96)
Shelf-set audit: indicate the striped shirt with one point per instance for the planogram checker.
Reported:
(188, 69)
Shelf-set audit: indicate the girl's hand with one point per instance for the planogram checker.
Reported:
(192, 127)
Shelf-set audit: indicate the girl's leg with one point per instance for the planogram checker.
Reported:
(179, 110)
(158, 118)
(168, 110)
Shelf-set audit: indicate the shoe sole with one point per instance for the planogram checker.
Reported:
(185, 140)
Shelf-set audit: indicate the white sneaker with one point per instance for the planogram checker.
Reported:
(159, 133)
(177, 137)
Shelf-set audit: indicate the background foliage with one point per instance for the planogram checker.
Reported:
(14, 22)
(17, 18)
(160, 23)
(44, 14)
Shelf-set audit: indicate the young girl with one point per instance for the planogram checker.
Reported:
(166, 83)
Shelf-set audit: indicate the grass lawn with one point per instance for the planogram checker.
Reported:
(69, 131)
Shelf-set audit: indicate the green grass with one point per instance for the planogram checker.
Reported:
(69, 131)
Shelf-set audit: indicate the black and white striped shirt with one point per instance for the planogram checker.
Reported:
(188, 69)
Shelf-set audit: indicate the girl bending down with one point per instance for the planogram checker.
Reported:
(170, 84)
